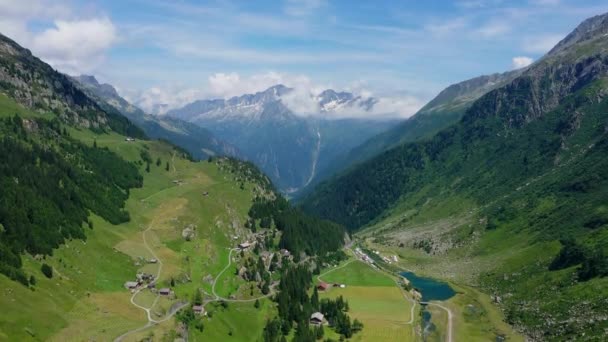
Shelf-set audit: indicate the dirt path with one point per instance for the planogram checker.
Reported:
(151, 321)
(220, 298)
(450, 319)
(334, 269)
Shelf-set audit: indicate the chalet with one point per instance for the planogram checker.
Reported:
(205, 193)
(129, 139)
(244, 245)
(165, 291)
(284, 252)
(198, 309)
(152, 285)
(317, 318)
(144, 277)
(322, 286)
(131, 285)
(153, 261)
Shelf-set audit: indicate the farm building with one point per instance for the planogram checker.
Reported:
(322, 286)
(165, 291)
(131, 285)
(244, 245)
(198, 309)
(317, 318)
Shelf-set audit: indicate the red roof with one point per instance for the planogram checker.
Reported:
(323, 286)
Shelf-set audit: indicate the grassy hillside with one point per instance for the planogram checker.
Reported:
(85, 297)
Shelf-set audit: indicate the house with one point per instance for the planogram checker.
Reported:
(152, 285)
(165, 291)
(322, 286)
(131, 285)
(317, 318)
(198, 309)
(153, 261)
(244, 245)
(205, 193)
(129, 139)
(284, 252)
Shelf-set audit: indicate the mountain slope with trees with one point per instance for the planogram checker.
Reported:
(528, 160)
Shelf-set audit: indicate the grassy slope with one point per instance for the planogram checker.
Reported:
(85, 299)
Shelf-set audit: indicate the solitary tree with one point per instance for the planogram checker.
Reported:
(47, 270)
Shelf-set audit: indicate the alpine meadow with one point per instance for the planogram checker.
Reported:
(303, 170)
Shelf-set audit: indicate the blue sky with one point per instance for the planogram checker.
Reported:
(173, 52)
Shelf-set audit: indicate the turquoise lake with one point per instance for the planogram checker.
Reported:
(430, 289)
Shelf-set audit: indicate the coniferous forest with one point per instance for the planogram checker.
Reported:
(50, 183)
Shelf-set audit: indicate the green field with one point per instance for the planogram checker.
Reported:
(357, 273)
(375, 299)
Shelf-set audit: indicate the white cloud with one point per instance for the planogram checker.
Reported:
(157, 100)
(541, 44)
(75, 46)
(446, 27)
(302, 100)
(70, 44)
(232, 84)
(521, 62)
(494, 28)
(545, 2)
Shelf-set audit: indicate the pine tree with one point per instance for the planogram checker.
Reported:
(314, 300)
(198, 298)
(167, 166)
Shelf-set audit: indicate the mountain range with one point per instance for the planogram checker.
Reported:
(292, 148)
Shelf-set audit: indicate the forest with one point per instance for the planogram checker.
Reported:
(50, 183)
(300, 232)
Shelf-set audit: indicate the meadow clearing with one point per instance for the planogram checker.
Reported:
(375, 299)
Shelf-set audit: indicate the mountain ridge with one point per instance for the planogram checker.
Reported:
(198, 141)
(292, 148)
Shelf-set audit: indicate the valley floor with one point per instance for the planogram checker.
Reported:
(474, 316)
